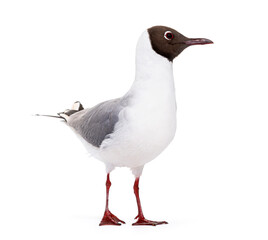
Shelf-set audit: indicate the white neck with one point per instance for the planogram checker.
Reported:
(149, 64)
(154, 73)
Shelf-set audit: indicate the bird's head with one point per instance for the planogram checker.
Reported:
(169, 43)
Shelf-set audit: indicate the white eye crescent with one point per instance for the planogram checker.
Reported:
(168, 35)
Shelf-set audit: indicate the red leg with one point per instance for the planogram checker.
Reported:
(108, 217)
(141, 219)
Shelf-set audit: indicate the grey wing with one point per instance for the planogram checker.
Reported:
(95, 124)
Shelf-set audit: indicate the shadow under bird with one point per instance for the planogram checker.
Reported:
(133, 130)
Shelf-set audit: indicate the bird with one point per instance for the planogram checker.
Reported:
(134, 129)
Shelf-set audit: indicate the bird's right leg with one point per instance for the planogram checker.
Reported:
(108, 217)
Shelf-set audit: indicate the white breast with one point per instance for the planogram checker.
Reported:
(148, 124)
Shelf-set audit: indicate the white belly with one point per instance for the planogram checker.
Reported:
(138, 142)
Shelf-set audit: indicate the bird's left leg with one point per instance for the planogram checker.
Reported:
(108, 217)
(141, 219)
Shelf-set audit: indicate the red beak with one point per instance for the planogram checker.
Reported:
(197, 41)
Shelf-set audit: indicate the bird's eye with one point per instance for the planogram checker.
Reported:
(168, 35)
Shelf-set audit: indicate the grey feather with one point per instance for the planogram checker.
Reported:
(95, 124)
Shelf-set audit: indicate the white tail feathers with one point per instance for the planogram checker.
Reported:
(77, 106)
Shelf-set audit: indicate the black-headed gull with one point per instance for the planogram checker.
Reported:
(133, 130)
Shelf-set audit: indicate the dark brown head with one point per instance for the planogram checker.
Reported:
(169, 43)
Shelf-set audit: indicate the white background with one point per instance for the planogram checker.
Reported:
(210, 183)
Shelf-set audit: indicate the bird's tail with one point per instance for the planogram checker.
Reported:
(77, 106)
